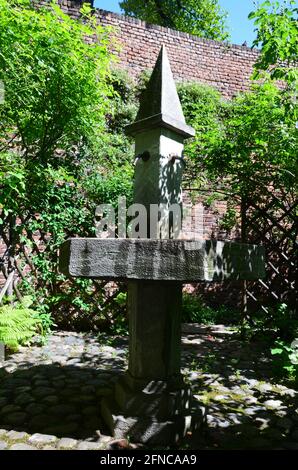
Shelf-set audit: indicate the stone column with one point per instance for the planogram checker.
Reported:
(152, 397)
(154, 330)
(154, 308)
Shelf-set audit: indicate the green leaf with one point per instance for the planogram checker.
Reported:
(276, 351)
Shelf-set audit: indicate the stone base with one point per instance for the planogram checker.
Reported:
(150, 413)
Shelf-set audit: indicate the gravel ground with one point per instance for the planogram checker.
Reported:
(50, 395)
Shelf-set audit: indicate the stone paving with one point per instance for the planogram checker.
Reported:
(50, 395)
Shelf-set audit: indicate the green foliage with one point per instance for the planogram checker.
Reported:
(258, 144)
(277, 323)
(115, 152)
(285, 360)
(55, 82)
(107, 189)
(123, 105)
(119, 325)
(277, 35)
(62, 148)
(242, 144)
(204, 18)
(45, 324)
(285, 321)
(18, 324)
(204, 111)
(229, 219)
(12, 183)
(194, 310)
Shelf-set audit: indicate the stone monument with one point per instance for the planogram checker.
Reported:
(151, 403)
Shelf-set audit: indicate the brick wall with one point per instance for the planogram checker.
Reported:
(201, 220)
(225, 67)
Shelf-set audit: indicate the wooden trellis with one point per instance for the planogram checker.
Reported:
(269, 218)
(18, 248)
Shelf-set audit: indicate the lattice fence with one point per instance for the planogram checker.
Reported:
(269, 218)
(75, 303)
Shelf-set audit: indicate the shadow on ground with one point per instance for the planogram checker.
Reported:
(233, 381)
(57, 389)
(52, 399)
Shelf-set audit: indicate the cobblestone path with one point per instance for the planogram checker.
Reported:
(50, 395)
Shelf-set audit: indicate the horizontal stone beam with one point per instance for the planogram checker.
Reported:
(161, 260)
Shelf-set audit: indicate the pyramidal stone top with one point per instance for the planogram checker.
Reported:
(160, 105)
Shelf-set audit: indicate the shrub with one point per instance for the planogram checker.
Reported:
(204, 110)
(18, 324)
(285, 361)
(194, 310)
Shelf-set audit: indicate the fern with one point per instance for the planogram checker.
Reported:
(18, 324)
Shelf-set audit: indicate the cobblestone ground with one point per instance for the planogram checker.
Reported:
(50, 395)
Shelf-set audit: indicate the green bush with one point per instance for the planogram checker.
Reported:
(284, 321)
(123, 103)
(194, 310)
(278, 323)
(18, 324)
(285, 361)
(204, 110)
(69, 153)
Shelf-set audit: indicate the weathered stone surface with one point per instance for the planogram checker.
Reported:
(67, 443)
(73, 418)
(150, 431)
(265, 388)
(154, 348)
(3, 401)
(39, 422)
(35, 409)
(3, 445)
(24, 399)
(163, 416)
(40, 439)
(105, 440)
(10, 409)
(22, 447)
(118, 444)
(161, 260)
(160, 105)
(159, 399)
(50, 400)
(17, 435)
(93, 423)
(62, 410)
(41, 392)
(16, 418)
(89, 446)
(90, 411)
